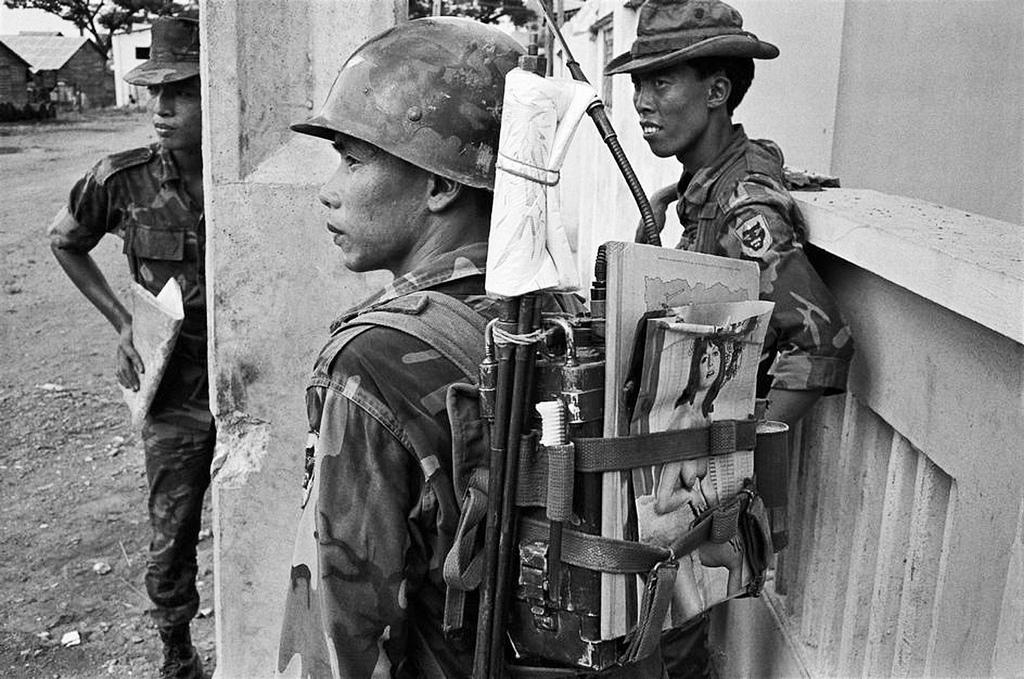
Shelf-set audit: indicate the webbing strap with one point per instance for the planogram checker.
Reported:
(456, 331)
(646, 636)
(595, 552)
(628, 452)
(560, 481)
(441, 321)
(463, 567)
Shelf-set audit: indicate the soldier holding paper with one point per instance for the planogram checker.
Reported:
(152, 197)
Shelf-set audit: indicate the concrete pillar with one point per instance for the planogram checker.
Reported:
(274, 286)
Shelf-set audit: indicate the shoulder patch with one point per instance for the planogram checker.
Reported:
(754, 236)
(117, 162)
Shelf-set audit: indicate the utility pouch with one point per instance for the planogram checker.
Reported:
(756, 534)
(463, 565)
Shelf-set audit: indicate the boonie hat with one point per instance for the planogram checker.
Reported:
(672, 31)
(173, 53)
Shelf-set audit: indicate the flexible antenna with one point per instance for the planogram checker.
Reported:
(596, 110)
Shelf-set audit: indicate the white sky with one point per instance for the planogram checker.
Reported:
(13, 21)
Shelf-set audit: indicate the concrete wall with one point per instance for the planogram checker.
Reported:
(930, 103)
(906, 554)
(275, 285)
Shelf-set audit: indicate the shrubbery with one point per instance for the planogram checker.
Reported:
(11, 113)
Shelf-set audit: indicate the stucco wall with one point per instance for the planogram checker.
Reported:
(911, 516)
(930, 103)
(275, 284)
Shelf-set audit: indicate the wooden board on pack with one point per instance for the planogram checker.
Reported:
(643, 278)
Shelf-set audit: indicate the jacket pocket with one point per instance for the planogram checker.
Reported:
(160, 244)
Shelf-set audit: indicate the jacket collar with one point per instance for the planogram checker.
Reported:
(463, 262)
(696, 191)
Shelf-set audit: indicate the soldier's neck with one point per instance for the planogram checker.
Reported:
(710, 145)
(189, 163)
(441, 235)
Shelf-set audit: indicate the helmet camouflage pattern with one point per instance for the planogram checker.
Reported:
(428, 91)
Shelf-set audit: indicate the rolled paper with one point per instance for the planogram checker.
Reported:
(528, 249)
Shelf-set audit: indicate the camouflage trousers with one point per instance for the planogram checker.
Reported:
(178, 436)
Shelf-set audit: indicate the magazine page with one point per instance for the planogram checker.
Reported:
(156, 321)
(643, 279)
(699, 365)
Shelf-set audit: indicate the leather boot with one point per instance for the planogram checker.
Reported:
(181, 660)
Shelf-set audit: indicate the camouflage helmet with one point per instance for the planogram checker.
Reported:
(428, 91)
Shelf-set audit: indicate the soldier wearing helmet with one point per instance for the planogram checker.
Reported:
(691, 65)
(414, 116)
(152, 197)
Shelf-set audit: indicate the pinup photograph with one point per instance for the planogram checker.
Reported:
(699, 364)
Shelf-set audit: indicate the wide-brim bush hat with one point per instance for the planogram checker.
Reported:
(672, 31)
(173, 53)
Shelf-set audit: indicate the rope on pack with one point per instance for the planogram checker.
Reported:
(502, 336)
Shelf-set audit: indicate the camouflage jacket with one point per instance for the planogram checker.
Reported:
(139, 196)
(366, 595)
(739, 207)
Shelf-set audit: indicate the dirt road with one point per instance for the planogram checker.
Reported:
(73, 522)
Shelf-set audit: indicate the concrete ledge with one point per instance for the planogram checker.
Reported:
(967, 263)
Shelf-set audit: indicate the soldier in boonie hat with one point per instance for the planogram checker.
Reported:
(173, 53)
(152, 198)
(691, 64)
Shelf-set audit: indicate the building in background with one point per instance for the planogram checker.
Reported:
(69, 71)
(128, 50)
(14, 78)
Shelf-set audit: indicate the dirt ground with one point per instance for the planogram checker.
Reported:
(73, 522)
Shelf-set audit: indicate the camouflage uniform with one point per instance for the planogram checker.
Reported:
(366, 592)
(739, 207)
(138, 195)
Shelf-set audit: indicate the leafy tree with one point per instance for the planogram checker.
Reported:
(91, 16)
(487, 11)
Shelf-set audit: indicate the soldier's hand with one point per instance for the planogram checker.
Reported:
(129, 363)
(660, 201)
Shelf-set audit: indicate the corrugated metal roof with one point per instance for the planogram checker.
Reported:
(44, 52)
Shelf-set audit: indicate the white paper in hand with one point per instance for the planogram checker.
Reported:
(156, 322)
(528, 249)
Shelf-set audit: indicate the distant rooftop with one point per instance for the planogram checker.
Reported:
(44, 51)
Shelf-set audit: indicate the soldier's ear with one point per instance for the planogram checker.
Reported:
(442, 192)
(719, 89)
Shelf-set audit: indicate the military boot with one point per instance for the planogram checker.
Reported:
(181, 660)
